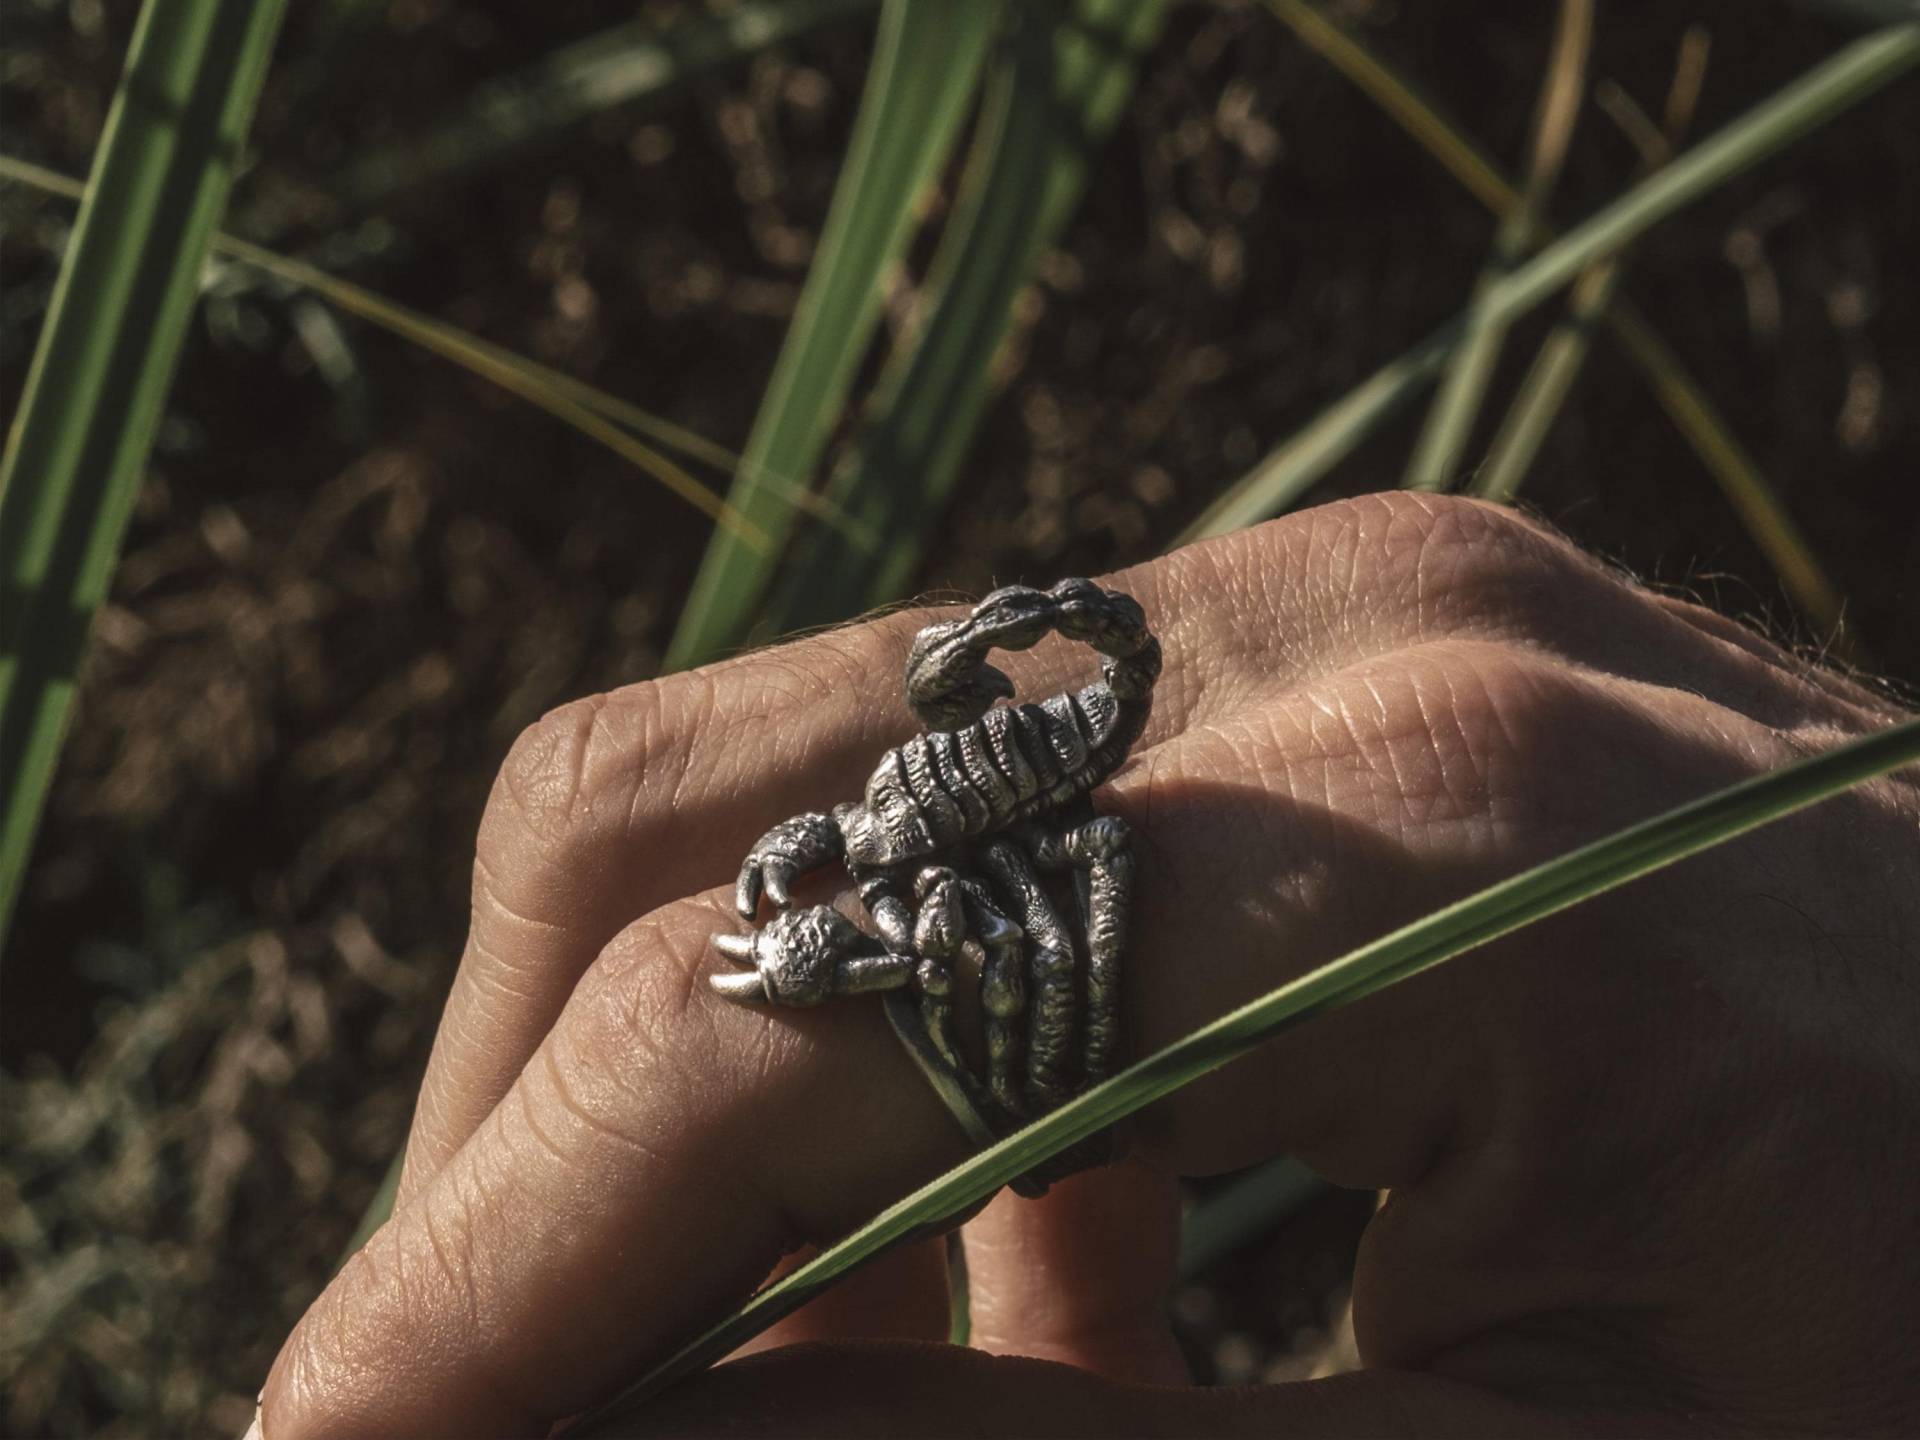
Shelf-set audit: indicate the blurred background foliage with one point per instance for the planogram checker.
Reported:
(356, 569)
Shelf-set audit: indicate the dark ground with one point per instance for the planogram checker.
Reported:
(346, 589)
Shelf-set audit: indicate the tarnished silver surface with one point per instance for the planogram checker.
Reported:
(948, 848)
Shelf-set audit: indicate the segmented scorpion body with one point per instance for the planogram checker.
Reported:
(948, 844)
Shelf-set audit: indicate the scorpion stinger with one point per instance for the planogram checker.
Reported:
(948, 845)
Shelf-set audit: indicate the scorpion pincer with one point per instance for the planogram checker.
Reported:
(949, 844)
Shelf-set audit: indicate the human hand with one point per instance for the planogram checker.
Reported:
(1649, 1161)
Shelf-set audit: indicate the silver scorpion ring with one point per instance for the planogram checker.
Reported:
(947, 851)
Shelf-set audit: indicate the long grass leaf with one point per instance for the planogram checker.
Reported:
(1050, 102)
(1482, 917)
(560, 395)
(78, 447)
(1759, 507)
(925, 68)
(1847, 77)
(1548, 382)
(1450, 422)
(1297, 464)
(1550, 379)
(1682, 396)
(1402, 100)
(378, 1209)
(627, 63)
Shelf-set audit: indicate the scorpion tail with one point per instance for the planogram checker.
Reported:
(950, 684)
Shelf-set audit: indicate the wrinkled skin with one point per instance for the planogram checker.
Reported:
(1651, 1162)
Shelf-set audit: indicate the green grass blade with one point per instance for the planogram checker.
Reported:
(1847, 77)
(619, 66)
(557, 394)
(1450, 422)
(1682, 396)
(1298, 463)
(1243, 1210)
(1487, 915)
(560, 395)
(574, 402)
(1547, 384)
(1551, 377)
(127, 287)
(1051, 101)
(1796, 110)
(1403, 101)
(1765, 518)
(925, 68)
(378, 1209)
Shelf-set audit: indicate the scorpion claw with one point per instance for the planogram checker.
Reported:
(799, 958)
(789, 850)
(746, 891)
(779, 877)
(735, 947)
(739, 984)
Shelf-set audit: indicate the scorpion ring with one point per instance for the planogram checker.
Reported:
(948, 850)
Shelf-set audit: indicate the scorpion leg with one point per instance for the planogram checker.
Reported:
(1099, 849)
(932, 979)
(884, 895)
(858, 974)
(949, 915)
(1050, 976)
(1003, 991)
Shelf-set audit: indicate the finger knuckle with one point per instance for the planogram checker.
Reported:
(577, 776)
(1392, 568)
(628, 1008)
(324, 1381)
(1519, 736)
(540, 783)
(1467, 737)
(640, 1021)
(1461, 565)
(649, 1071)
(1509, 715)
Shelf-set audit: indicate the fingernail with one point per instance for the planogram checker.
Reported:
(254, 1432)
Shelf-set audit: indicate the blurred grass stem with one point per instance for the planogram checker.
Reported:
(920, 86)
(1297, 464)
(1551, 377)
(574, 402)
(1450, 422)
(1051, 99)
(619, 66)
(78, 448)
